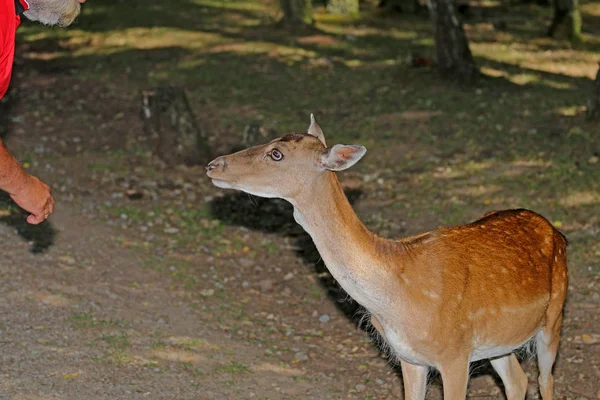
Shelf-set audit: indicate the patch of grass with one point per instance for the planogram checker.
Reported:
(316, 292)
(191, 343)
(87, 320)
(117, 347)
(234, 368)
(116, 341)
(271, 247)
(158, 345)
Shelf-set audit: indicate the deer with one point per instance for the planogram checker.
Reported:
(441, 299)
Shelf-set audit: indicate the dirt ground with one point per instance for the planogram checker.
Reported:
(150, 283)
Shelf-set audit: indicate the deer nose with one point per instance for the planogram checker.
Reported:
(216, 163)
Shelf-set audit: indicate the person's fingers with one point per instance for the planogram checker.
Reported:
(51, 206)
(34, 219)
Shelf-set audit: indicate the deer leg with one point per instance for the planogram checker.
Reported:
(512, 375)
(455, 377)
(414, 378)
(547, 347)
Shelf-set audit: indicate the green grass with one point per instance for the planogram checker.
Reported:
(158, 345)
(234, 368)
(87, 320)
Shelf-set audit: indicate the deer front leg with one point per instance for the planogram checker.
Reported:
(455, 376)
(414, 378)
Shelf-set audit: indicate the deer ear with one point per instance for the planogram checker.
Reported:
(341, 156)
(315, 130)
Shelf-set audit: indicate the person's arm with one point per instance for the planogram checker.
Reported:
(26, 190)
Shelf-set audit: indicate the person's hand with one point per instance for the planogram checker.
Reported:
(34, 196)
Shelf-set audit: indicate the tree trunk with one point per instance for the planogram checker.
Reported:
(297, 12)
(453, 56)
(594, 100)
(403, 6)
(169, 121)
(344, 7)
(567, 11)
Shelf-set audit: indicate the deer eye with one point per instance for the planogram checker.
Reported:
(276, 155)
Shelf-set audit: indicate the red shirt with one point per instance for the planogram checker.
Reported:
(9, 21)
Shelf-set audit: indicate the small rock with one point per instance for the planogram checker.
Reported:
(67, 259)
(265, 285)
(593, 160)
(360, 387)
(171, 230)
(207, 292)
(246, 262)
(288, 276)
(133, 194)
(324, 318)
(286, 292)
(300, 356)
(245, 284)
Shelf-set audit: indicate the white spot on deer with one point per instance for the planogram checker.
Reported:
(459, 296)
(480, 312)
(404, 279)
(431, 294)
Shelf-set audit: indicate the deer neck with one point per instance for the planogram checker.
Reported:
(355, 256)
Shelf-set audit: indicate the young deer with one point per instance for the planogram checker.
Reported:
(440, 299)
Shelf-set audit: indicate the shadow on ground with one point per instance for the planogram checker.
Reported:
(276, 216)
(40, 236)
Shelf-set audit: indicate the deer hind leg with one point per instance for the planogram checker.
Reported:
(512, 375)
(547, 338)
(547, 346)
(414, 378)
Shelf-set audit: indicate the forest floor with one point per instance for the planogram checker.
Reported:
(150, 283)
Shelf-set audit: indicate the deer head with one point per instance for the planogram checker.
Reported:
(284, 167)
